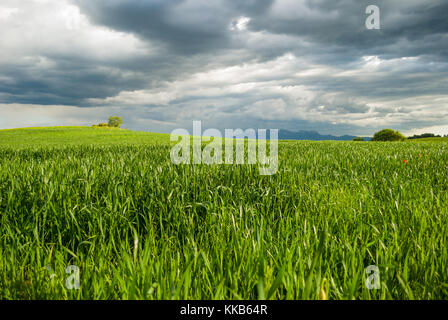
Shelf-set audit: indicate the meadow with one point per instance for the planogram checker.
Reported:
(139, 227)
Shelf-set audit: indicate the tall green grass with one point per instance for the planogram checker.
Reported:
(139, 227)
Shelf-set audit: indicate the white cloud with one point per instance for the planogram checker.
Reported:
(49, 28)
(240, 24)
(6, 13)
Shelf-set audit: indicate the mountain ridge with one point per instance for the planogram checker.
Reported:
(312, 135)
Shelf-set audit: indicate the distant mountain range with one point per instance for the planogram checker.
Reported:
(312, 135)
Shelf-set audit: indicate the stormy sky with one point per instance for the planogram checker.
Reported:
(287, 64)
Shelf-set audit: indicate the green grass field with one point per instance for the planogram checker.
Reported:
(138, 227)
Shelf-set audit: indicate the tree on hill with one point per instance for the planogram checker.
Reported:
(358, 139)
(115, 122)
(388, 135)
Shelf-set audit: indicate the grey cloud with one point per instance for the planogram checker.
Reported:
(185, 27)
(181, 38)
(341, 23)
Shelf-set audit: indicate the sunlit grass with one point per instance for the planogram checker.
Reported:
(139, 227)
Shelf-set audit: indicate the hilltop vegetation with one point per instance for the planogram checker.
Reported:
(72, 136)
(139, 227)
(425, 135)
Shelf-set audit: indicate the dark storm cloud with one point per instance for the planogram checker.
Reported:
(421, 26)
(69, 83)
(186, 27)
(191, 27)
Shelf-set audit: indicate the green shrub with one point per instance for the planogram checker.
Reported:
(388, 135)
(358, 139)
